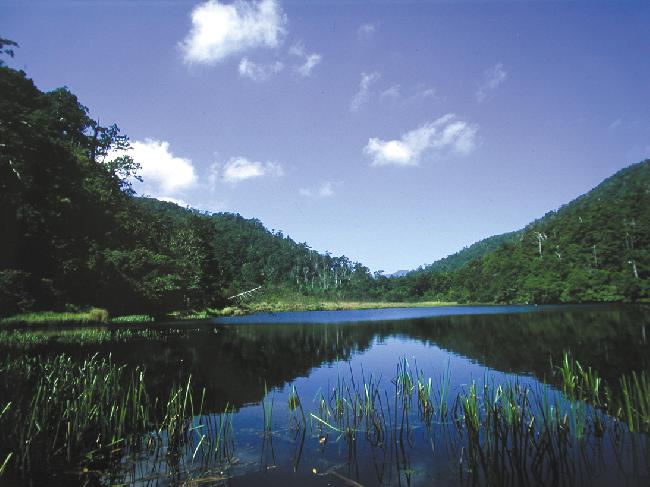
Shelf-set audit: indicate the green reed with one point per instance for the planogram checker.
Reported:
(71, 412)
(631, 405)
(267, 411)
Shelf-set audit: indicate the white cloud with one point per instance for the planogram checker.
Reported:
(220, 30)
(444, 135)
(309, 60)
(366, 30)
(417, 93)
(176, 201)
(258, 72)
(392, 93)
(297, 49)
(310, 63)
(163, 172)
(240, 169)
(363, 95)
(492, 78)
(324, 190)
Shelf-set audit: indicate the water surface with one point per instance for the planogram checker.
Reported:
(250, 363)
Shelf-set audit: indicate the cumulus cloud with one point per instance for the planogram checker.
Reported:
(363, 94)
(366, 30)
(239, 169)
(492, 78)
(308, 60)
(258, 72)
(444, 135)
(163, 173)
(220, 30)
(324, 190)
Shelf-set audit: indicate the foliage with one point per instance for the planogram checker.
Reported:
(74, 234)
(596, 248)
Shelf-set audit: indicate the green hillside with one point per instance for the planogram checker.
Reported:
(462, 257)
(75, 235)
(595, 248)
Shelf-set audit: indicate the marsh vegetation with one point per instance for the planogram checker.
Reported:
(376, 403)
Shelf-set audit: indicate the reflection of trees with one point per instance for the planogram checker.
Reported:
(233, 362)
(609, 339)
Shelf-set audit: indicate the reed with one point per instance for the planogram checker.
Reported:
(267, 411)
(93, 315)
(93, 410)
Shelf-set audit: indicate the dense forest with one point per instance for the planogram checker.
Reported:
(74, 234)
(596, 248)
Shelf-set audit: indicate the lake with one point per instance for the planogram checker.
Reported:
(409, 396)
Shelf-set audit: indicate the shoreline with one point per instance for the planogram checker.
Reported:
(94, 318)
(100, 317)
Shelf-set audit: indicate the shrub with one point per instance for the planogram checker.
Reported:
(98, 315)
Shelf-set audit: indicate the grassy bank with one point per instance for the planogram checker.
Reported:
(98, 316)
(91, 316)
(314, 305)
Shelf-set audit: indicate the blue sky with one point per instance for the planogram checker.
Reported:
(392, 132)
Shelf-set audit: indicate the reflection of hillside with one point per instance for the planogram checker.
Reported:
(233, 362)
(610, 340)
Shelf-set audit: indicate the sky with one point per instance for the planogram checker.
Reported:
(394, 133)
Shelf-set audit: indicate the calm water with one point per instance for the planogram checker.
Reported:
(254, 362)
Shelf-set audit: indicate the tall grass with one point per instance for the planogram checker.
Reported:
(93, 315)
(631, 405)
(97, 412)
(86, 412)
(24, 339)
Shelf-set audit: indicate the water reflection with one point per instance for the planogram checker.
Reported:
(235, 361)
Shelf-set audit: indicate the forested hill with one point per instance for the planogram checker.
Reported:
(596, 248)
(74, 235)
(462, 257)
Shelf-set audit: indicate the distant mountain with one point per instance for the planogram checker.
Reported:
(595, 248)
(400, 273)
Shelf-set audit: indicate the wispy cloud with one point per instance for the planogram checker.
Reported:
(442, 136)
(258, 72)
(492, 78)
(220, 30)
(308, 60)
(392, 93)
(366, 31)
(239, 169)
(363, 94)
(615, 124)
(417, 93)
(324, 190)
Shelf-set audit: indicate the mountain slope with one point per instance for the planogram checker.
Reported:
(595, 248)
(463, 257)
